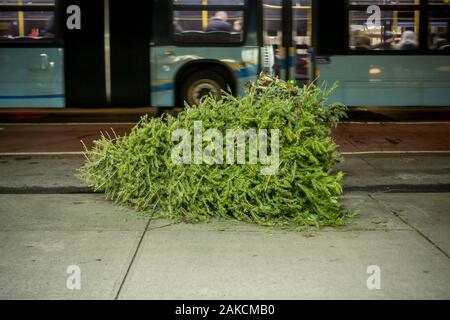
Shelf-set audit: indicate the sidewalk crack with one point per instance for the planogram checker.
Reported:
(412, 227)
(132, 260)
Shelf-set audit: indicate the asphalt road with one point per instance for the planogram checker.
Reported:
(350, 136)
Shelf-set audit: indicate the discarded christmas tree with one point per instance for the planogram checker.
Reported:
(301, 189)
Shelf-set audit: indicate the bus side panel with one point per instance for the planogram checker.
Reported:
(243, 61)
(388, 80)
(31, 77)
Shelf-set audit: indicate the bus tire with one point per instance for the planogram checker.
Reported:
(200, 84)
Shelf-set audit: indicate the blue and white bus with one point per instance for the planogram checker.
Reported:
(103, 53)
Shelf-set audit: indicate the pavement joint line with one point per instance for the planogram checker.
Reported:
(420, 233)
(161, 227)
(132, 260)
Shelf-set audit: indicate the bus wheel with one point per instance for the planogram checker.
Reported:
(201, 84)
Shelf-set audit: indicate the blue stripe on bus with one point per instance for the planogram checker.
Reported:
(40, 96)
(241, 73)
(163, 87)
(247, 72)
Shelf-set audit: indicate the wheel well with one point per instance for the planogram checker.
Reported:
(188, 69)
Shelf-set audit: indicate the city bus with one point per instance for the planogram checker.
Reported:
(163, 53)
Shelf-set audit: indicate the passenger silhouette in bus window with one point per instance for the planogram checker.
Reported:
(219, 23)
(408, 41)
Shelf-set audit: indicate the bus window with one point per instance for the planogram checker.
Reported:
(439, 30)
(397, 30)
(26, 24)
(204, 25)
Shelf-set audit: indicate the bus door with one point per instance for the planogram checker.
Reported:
(84, 53)
(107, 60)
(129, 59)
(287, 39)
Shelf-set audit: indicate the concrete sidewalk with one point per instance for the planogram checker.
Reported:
(121, 255)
